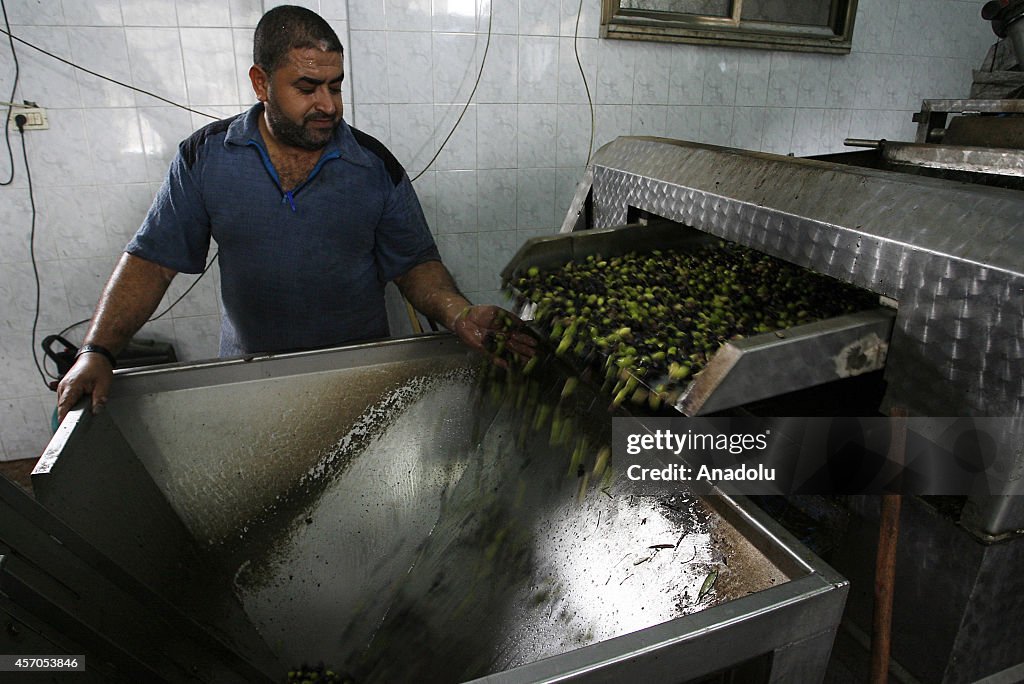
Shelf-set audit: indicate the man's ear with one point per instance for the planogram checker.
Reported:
(260, 82)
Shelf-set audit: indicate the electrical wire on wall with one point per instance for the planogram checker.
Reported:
(476, 84)
(154, 318)
(24, 42)
(31, 193)
(32, 247)
(586, 86)
(41, 367)
(10, 100)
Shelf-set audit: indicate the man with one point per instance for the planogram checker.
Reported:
(312, 218)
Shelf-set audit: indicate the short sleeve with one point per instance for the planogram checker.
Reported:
(176, 231)
(403, 238)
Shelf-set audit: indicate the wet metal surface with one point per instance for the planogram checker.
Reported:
(434, 528)
(457, 543)
(248, 442)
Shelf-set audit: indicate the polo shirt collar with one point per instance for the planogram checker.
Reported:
(245, 130)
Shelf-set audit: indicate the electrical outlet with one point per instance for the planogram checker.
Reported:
(36, 118)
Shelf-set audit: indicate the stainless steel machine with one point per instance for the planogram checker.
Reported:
(975, 141)
(377, 509)
(949, 255)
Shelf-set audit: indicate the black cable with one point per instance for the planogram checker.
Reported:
(32, 255)
(31, 194)
(590, 99)
(49, 374)
(10, 100)
(479, 75)
(158, 316)
(73, 325)
(194, 283)
(162, 313)
(97, 75)
(61, 334)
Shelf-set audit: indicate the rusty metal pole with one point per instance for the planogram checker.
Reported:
(885, 560)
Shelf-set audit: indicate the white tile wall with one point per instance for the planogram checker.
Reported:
(209, 57)
(507, 173)
(411, 15)
(455, 58)
(247, 12)
(156, 62)
(499, 81)
(496, 200)
(149, 13)
(103, 49)
(203, 12)
(538, 69)
(536, 146)
(369, 77)
(459, 213)
(649, 120)
(83, 281)
(573, 135)
(410, 66)
(497, 135)
(752, 80)
(73, 217)
(653, 62)
(458, 124)
(573, 85)
(51, 81)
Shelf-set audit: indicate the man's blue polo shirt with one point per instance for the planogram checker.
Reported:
(299, 270)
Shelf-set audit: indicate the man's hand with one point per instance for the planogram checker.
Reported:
(494, 332)
(129, 298)
(489, 329)
(91, 375)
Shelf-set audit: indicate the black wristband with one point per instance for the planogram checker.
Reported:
(97, 349)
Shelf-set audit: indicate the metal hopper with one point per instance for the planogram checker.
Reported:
(375, 508)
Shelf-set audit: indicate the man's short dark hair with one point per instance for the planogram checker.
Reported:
(287, 27)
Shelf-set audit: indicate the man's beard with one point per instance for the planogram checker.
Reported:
(298, 135)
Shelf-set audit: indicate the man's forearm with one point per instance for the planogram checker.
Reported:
(486, 328)
(431, 289)
(131, 295)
